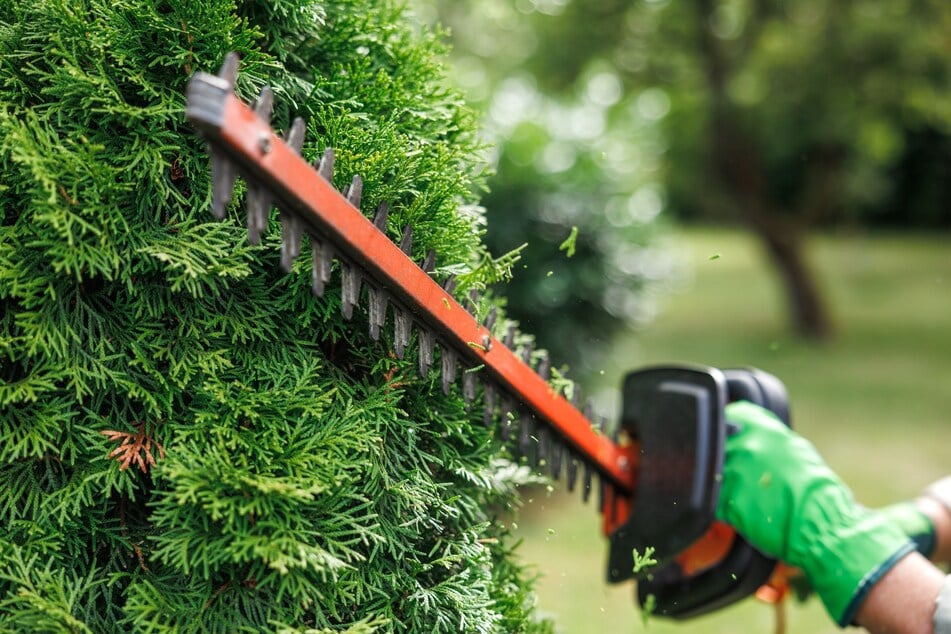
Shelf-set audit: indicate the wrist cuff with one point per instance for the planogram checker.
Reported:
(869, 581)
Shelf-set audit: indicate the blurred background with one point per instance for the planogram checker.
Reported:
(753, 183)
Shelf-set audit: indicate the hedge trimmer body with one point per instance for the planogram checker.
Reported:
(656, 478)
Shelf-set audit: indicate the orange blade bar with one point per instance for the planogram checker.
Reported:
(234, 128)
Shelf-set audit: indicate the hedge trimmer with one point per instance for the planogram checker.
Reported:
(656, 480)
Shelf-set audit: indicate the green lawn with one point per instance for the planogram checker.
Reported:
(876, 400)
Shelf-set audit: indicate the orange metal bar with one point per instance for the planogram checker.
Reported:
(264, 157)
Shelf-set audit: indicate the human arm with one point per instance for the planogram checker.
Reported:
(903, 600)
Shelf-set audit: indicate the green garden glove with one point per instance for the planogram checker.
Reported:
(914, 523)
(779, 494)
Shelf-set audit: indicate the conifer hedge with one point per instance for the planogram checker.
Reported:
(189, 441)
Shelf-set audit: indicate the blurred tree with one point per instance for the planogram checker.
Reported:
(786, 116)
(569, 152)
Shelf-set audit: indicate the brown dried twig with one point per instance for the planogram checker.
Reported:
(136, 447)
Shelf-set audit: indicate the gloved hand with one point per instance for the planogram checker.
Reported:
(779, 494)
(915, 523)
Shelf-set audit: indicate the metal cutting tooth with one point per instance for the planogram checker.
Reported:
(229, 69)
(378, 302)
(572, 471)
(382, 213)
(427, 350)
(258, 201)
(448, 358)
(588, 411)
(402, 330)
(264, 105)
(290, 239)
(322, 256)
(450, 284)
(575, 395)
(351, 281)
(295, 135)
(527, 353)
(490, 319)
(544, 367)
(587, 473)
(325, 167)
(406, 242)
(223, 175)
(354, 191)
(470, 383)
(506, 410)
(509, 340)
(473, 300)
(525, 438)
(542, 439)
(429, 264)
(556, 452)
(291, 231)
(489, 397)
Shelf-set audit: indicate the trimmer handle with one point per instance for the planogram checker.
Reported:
(676, 416)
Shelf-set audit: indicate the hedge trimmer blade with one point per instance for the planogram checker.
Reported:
(550, 431)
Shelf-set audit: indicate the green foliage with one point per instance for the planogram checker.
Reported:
(304, 481)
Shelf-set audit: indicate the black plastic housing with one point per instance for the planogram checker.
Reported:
(681, 444)
(676, 416)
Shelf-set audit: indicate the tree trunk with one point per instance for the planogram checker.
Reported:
(738, 164)
(806, 308)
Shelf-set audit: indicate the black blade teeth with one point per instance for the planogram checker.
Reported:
(470, 384)
(525, 438)
(542, 439)
(527, 353)
(509, 340)
(506, 410)
(354, 191)
(378, 302)
(326, 165)
(576, 395)
(556, 454)
(572, 471)
(588, 473)
(229, 69)
(474, 299)
(544, 367)
(322, 265)
(429, 264)
(427, 350)
(491, 318)
(449, 364)
(450, 284)
(406, 242)
(489, 398)
(264, 105)
(352, 281)
(382, 213)
(402, 330)
(290, 239)
(223, 176)
(258, 201)
(295, 135)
